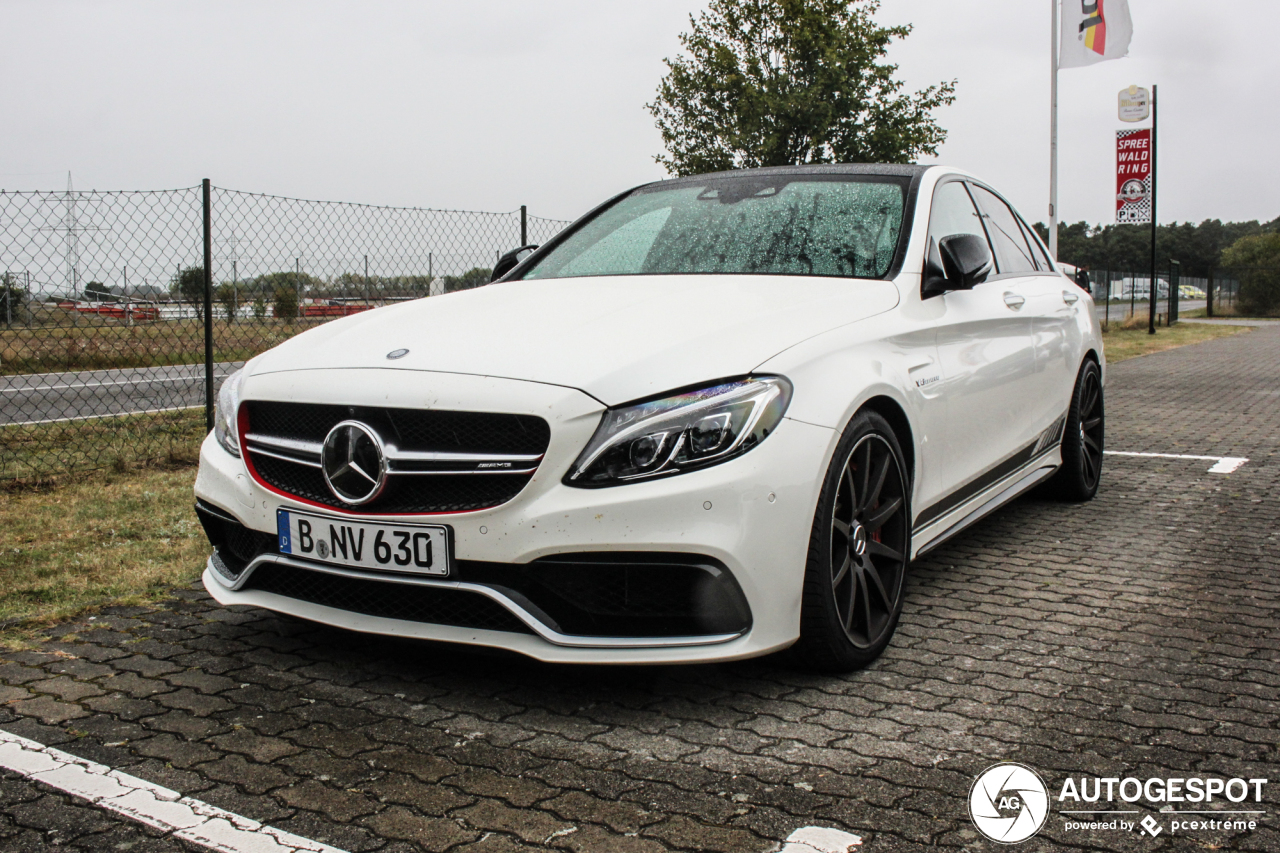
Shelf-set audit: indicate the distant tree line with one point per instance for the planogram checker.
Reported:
(1248, 252)
(283, 291)
(1200, 248)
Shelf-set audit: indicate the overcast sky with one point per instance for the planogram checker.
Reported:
(490, 104)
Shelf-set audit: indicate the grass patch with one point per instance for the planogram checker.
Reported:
(101, 343)
(1124, 343)
(106, 538)
(40, 451)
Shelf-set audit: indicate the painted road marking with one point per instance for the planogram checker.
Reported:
(31, 389)
(820, 839)
(105, 415)
(181, 817)
(1221, 464)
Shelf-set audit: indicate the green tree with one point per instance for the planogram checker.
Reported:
(285, 303)
(96, 291)
(286, 290)
(13, 299)
(229, 295)
(778, 82)
(474, 277)
(1257, 265)
(259, 307)
(188, 285)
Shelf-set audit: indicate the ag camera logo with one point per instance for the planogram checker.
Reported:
(1009, 802)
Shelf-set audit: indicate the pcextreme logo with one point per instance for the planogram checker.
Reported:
(1010, 802)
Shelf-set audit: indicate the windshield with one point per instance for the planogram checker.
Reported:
(827, 225)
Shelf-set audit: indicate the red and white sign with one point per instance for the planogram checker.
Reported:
(1133, 176)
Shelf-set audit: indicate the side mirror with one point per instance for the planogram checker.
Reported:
(511, 260)
(965, 262)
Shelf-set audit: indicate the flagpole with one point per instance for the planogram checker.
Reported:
(1053, 133)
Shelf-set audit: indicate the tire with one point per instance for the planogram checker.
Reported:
(858, 549)
(1083, 440)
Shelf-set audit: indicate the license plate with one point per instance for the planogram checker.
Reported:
(420, 549)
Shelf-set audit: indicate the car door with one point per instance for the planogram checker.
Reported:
(1051, 306)
(1060, 314)
(986, 358)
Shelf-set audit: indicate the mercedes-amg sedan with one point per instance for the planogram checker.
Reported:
(716, 417)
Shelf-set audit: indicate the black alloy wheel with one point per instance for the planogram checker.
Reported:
(1083, 439)
(858, 551)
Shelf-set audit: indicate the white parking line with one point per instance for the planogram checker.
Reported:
(1221, 464)
(181, 817)
(820, 839)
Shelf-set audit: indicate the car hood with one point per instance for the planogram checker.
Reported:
(617, 338)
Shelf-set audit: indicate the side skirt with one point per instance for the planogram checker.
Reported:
(1001, 495)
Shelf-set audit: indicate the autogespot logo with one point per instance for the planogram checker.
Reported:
(1008, 802)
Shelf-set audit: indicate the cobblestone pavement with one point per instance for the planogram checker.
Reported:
(1133, 636)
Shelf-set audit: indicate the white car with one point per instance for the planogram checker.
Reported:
(715, 418)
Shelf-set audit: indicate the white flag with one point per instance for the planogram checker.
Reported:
(1094, 31)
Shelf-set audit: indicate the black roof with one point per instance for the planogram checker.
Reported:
(905, 170)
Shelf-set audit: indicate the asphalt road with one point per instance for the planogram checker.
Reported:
(1134, 636)
(46, 397)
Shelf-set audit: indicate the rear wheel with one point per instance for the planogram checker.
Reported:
(1082, 439)
(858, 551)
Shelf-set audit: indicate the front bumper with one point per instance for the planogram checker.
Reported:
(751, 515)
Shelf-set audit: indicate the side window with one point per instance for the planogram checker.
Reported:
(1037, 248)
(952, 213)
(1012, 252)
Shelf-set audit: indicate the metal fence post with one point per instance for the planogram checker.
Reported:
(1106, 276)
(1208, 293)
(1175, 279)
(524, 225)
(208, 308)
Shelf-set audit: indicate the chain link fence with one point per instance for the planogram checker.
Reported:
(1124, 297)
(106, 347)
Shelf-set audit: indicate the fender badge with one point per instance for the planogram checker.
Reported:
(397, 353)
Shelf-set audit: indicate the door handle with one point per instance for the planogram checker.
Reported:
(1069, 297)
(1015, 301)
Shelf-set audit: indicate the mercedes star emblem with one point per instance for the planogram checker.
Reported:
(354, 463)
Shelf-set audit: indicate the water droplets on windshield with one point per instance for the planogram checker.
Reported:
(837, 225)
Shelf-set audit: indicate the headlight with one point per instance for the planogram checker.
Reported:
(224, 414)
(682, 432)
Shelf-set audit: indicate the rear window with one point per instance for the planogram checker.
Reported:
(808, 225)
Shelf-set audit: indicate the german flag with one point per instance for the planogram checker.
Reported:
(1094, 26)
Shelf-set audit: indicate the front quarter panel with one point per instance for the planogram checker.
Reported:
(836, 374)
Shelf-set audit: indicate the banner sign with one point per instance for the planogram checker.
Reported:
(1133, 176)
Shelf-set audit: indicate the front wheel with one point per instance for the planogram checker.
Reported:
(1082, 439)
(858, 551)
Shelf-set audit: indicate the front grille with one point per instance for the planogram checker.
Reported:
(416, 431)
(407, 602)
